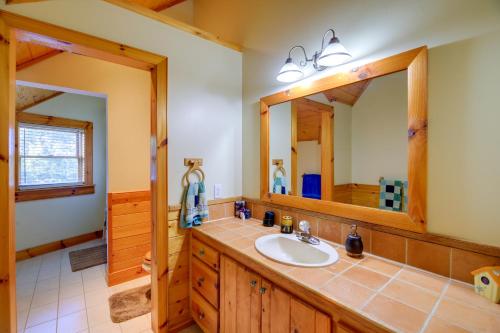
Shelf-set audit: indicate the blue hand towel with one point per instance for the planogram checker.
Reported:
(311, 186)
(194, 209)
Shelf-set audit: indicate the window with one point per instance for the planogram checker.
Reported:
(54, 157)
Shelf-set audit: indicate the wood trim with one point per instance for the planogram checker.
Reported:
(56, 37)
(8, 320)
(61, 191)
(327, 172)
(51, 193)
(14, 26)
(294, 147)
(159, 189)
(415, 62)
(426, 237)
(39, 102)
(14, 2)
(57, 245)
(144, 11)
(167, 4)
(34, 61)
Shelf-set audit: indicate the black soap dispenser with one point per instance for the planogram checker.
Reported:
(354, 243)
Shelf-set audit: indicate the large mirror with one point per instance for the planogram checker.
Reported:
(353, 144)
(361, 127)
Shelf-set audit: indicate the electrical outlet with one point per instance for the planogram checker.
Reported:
(217, 191)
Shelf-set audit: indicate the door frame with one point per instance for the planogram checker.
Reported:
(14, 27)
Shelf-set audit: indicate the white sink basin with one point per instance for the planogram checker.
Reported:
(287, 249)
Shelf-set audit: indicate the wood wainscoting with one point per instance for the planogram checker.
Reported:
(129, 235)
(179, 314)
(357, 194)
(57, 245)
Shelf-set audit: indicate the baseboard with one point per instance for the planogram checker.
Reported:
(57, 245)
(125, 275)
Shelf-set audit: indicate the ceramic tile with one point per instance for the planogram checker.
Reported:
(216, 212)
(48, 327)
(431, 257)
(106, 328)
(437, 325)
(70, 305)
(73, 323)
(339, 266)
(365, 277)
(468, 317)
(241, 243)
(389, 246)
(396, 314)
(381, 266)
(313, 277)
(343, 255)
(21, 319)
(45, 297)
(464, 262)
(423, 279)
(329, 230)
(42, 314)
(347, 292)
(98, 315)
(412, 295)
(137, 324)
(465, 293)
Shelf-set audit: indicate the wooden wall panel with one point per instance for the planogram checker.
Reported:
(129, 235)
(357, 194)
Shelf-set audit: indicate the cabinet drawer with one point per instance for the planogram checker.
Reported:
(204, 314)
(205, 253)
(205, 281)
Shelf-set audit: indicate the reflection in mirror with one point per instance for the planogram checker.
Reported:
(362, 127)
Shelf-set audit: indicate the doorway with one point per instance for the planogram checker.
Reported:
(14, 28)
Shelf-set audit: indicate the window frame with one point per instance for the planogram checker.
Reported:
(39, 192)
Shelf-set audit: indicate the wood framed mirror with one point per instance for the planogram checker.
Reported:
(353, 144)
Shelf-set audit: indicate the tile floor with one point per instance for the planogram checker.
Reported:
(51, 298)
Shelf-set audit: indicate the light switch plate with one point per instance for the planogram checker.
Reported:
(217, 191)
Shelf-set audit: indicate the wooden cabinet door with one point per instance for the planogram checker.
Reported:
(240, 298)
(275, 309)
(306, 319)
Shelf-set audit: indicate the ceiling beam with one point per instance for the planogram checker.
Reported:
(13, 2)
(167, 4)
(36, 60)
(45, 99)
(144, 11)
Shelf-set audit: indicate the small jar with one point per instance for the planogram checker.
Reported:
(286, 224)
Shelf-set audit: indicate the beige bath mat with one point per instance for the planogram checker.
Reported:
(85, 258)
(130, 303)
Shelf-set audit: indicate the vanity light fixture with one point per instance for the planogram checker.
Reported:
(333, 54)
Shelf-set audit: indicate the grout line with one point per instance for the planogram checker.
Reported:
(377, 292)
(434, 308)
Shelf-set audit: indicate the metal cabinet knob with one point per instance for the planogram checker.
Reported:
(253, 283)
(201, 252)
(262, 290)
(201, 315)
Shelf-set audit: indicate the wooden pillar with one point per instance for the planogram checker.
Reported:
(7, 192)
(159, 199)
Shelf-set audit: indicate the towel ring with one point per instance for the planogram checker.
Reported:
(193, 169)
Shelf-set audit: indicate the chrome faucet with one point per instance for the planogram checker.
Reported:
(305, 233)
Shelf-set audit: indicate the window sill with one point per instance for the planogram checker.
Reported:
(50, 193)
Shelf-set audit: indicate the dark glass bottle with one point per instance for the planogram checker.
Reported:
(354, 243)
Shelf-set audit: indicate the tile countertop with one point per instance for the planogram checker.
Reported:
(397, 296)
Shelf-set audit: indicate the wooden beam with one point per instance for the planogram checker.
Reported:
(141, 10)
(56, 37)
(37, 60)
(45, 99)
(14, 2)
(167, 4)
(8, 321)
(159, 277)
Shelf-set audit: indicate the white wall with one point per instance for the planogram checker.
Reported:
(308, 160)
(204, 85)
(43, 221)
(182, 11)
(342, 143)
(380, 130)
